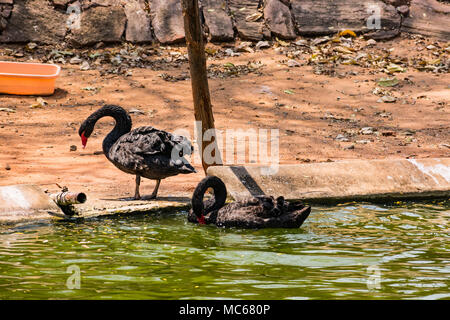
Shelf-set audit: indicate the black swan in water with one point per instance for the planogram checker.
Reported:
(253, 213)
(145, 152)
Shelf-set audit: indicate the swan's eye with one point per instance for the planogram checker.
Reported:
(180, 153)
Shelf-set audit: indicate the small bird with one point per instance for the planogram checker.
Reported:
(252, 213)
(145, 152)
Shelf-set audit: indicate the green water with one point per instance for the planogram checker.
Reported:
(351, 251)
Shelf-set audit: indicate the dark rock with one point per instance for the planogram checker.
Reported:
(138, 22)
(322, 17)
(397, 3)
(34, 21)
(403, 10)
(86, 4)
(167, 20)
(60, 3)
(106, 24)
(5, 10)
(217, 20)
(279, 20)
(428, 17)
(245, 13)
(3, 23)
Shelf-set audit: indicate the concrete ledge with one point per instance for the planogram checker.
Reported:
(102, 208)
(20, 203)
(24, 204)
(343, 180)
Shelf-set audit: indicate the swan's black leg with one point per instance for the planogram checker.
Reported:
(155, 192)
(137, 196)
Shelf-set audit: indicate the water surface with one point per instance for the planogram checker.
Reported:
(350, 251)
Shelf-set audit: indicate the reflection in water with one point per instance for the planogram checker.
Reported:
(352, 251)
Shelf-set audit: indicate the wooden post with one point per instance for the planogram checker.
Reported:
(199, 78)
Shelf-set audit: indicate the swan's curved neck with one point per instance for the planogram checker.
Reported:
(123, 124)
(220, 196)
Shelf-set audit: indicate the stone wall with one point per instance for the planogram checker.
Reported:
(86, 22)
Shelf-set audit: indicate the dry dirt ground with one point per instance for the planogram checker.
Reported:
(319, 109)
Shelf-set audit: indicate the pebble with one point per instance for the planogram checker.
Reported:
(366, 130)
(262, 44)
(341, 137)
(292, 63)
(85, 66)
(75, 60)
(387, 99)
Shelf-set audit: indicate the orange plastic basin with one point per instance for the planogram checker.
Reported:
(28, 78)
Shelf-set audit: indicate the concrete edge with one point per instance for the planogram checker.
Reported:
(343, 181)
(88, 214)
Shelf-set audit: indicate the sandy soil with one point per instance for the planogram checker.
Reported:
(309, 109)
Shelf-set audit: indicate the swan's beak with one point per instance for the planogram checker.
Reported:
(201, 220)
(83, 140)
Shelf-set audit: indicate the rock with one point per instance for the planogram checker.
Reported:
(350, 147)
(313, 17)
(7, 167)
(86, 4)
(428, 17)
(73, 148)
(366, 130)
(3, 23)
(85, 66)
(387, 99)
(138, 22)
(262, 44)
(217, 20)
(244, 13)
(245, 47)
(62, 4)
(231, 53)
(97, 24)
(342, 138)
(5, 10)
(34, 21)
(301, 43)
(397, 3)
(279, 20)
(403, 10)
(293, 63)
(75, 60)
(167, 20)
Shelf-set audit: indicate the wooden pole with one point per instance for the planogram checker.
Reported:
(199, 78)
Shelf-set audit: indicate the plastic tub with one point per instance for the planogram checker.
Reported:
(28, 78)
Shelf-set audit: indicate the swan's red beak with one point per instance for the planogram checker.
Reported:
(83, 140)
(201, 220)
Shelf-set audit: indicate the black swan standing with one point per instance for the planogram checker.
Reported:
(145, 152)
(253, 213)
